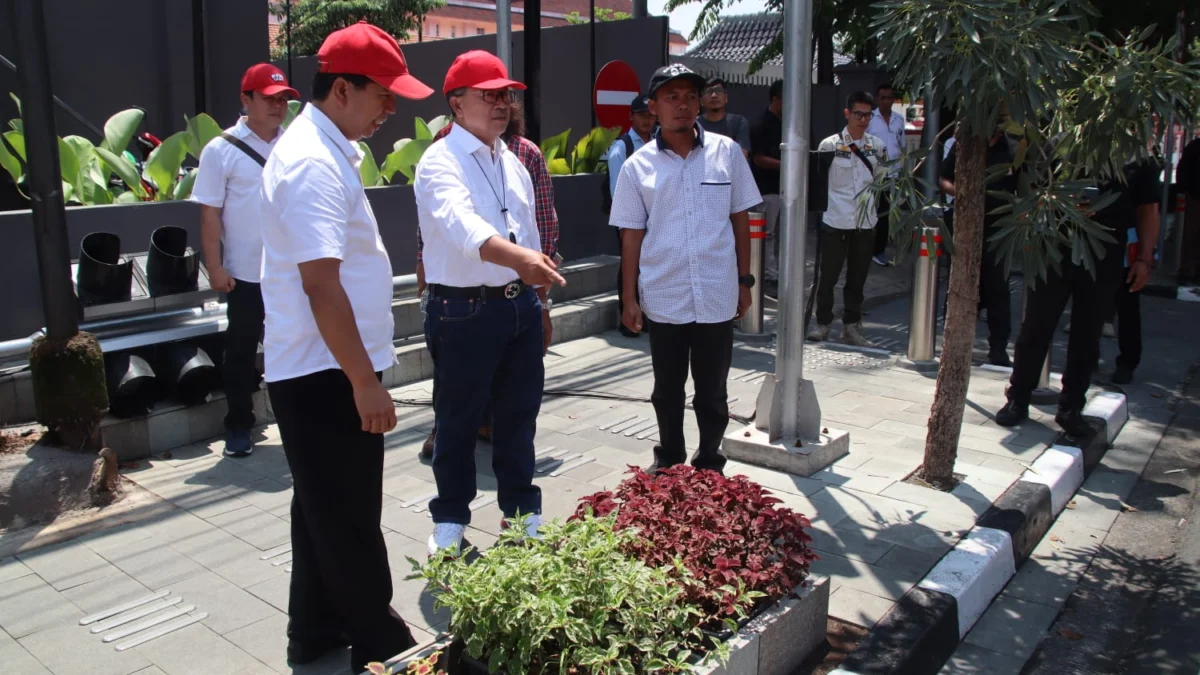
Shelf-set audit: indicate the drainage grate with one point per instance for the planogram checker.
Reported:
(142, 620)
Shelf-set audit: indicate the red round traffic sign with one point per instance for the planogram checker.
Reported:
(616, 87)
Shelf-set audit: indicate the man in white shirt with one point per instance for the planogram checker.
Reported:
(327, 288)
(229, 190)
(642, 123)
(682, 205)
(847, 234)
(488, 282)
(889, 128)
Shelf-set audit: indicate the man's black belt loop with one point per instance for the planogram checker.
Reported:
(506, 292)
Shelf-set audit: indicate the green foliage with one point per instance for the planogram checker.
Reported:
(201, 129)
(313, 20)
(1079, 105)
(163, 164)
(69, 390)
(293, 110)
(602, 14)
(588, 155)
(570, 602)
(403, 158)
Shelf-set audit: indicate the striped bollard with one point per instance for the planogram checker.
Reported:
(751, 324)
(923, 320)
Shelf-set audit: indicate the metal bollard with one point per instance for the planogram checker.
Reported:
(922, 330)
(751, 324)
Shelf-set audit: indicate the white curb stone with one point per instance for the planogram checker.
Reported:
(973, 573)
(1059, 468)
(1112, 408)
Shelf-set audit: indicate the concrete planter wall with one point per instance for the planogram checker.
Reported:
(584, 233)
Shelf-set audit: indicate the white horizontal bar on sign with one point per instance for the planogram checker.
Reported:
(610, 97)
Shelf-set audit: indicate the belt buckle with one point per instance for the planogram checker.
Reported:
(512, 290)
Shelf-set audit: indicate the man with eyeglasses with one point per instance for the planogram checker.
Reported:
(889, 128)
(716, 120)
(682, 205)
(847, 230)
(488, 281)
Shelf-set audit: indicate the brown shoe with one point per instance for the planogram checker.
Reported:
(485, 434)
(427, 446)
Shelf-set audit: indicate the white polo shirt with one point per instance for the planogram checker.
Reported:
(461, 188)
(688, 266)
(848, 177)
(228, 179)
(314, 207)
(892, 135)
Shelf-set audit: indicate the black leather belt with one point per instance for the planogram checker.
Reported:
(506, 292)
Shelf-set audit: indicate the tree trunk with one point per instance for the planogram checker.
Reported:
(954, 373)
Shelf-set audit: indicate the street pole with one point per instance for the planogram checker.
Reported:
(533, 68)
(639, 9)
(933, 161)
(504, 33)
(592, 49)
(45, 178)
(199, 68)
(287, 29)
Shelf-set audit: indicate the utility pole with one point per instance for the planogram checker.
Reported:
(504, 33)
(639, 9)
(287, 29)
(592, 49)
(199, 60)
(787, 434)
(533, 68)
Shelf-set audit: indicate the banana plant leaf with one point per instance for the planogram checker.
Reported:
(114, 163)
(555, 147)
(404, 159)
(368, 169)
(162, 166)
(201, 129)
(293, 110)
(120, 128)
(10, 161)
(183, 189)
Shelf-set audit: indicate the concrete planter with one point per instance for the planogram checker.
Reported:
(775, 642)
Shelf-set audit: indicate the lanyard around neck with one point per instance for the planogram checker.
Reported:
(503, 200)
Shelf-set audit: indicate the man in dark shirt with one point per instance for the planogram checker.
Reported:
(1091, 301)
(766, 135)
(1187, 176)
(715, 119)
(993, 276)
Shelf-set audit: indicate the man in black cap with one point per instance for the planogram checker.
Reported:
(682, 205)
(642, 123)
(716, 120)
(765, 138)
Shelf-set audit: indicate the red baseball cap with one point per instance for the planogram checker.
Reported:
(267, 80)
(363, 49)
(479, 70)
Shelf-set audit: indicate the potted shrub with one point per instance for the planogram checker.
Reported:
(574, 601)
(728, 532)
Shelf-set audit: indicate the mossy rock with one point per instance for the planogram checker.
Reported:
(69, 388)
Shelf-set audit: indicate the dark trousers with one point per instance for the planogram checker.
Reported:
(882, 228)
(708, 349)
(1091, 302)
(995, 297)
(853, 249)
(1129, 327)
(485, 350)
(245, 313)
(340, 575)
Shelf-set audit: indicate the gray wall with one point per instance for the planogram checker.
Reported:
(566, 81)
(584, 233)
(109, 55)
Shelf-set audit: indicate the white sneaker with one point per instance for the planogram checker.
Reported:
(446, 537)
(819, 334)
(852, 335)
(1108, 330)
(533, 525)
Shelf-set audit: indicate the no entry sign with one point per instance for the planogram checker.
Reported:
(616, 86)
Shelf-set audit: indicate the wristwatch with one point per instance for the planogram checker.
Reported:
(746, 280)
(547, 304)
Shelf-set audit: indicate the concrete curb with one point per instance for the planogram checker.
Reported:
(919, 634)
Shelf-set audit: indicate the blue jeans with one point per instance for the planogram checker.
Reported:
(485, 350)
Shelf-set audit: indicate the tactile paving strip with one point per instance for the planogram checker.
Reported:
(142, 620)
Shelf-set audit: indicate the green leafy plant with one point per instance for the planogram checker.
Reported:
(313, 20)
(588, 155)
(572, 601)
(403, 158)
(424, 666)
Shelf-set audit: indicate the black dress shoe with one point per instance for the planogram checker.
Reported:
(1122, 375)
(1072, 423)
(999, 358)
(427, 446)
(1012, 414)
(300, 653)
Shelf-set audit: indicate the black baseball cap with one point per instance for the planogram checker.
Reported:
(674, 71)
(640, 104)
(714, 81)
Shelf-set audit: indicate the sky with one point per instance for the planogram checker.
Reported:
(684, 18)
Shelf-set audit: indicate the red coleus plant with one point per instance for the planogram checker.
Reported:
(725, 530)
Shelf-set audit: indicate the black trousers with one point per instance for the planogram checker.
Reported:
(882, 231)
(707, 348)
(1129, 327)
(853, 249)
(995, 297)
(245, 313)
(340, 575)
(1091, 302)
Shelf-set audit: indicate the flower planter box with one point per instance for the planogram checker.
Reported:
(775, 642)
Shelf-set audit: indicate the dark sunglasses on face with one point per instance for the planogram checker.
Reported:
(494, 96)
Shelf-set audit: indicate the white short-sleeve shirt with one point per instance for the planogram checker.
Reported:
(849, 177)
(230, 180)
(314, 207)
(891, 132)
(467, 193)
(688, 266)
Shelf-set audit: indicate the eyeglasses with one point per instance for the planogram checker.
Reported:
(494, 96)
(862, 116)
(713, 91)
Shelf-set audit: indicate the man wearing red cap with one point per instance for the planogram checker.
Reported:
(327, 288)
(488, 281)
(228, 188)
